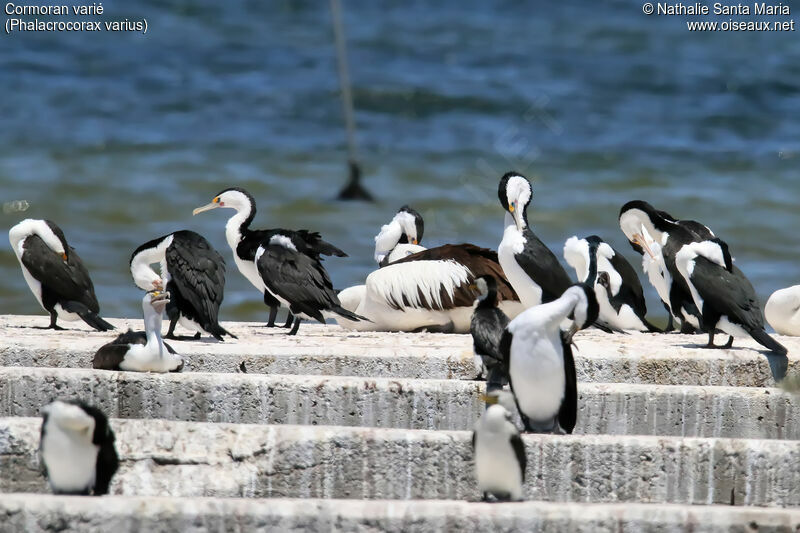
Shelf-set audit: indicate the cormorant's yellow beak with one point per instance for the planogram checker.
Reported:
(511, 208)
(472, 287)
(64, 256)
(414, 241)
(640, 240)
(213, 205)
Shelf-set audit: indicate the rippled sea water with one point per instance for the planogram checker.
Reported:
(116, 137)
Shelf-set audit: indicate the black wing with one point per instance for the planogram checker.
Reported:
(68, 280)
(630, 292)
(110, 356)
(107, 459)
(519, 451)
(728, 293)
(487, 327)
(299, 279)
(505, 347)
(568, 414)
(541, 264)
(198, 272)
(317, 246)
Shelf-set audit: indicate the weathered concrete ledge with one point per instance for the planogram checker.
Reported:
(40, 514)
(197, 459)
(329, 350)
(402, 403)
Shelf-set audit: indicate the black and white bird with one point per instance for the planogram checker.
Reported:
(538, 355)
(192, 272)
(499, 452)
(642, 223)
(427, 291)
(142, 351)
(530, 266)
(724, 296)
(244, 242)
(783, 311)
(486, 327)
(55, 273)
(399, 238)
(76, 448)
(616, 285)
(293, 273)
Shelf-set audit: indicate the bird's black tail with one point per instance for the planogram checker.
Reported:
(88, 316)
(768, 342)
(344, 313)
(218, 331)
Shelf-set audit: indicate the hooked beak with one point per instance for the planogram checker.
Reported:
(640, 240)
(573, 329)
(472, 287)
(213, 205)
(64, 256)
(414, 241)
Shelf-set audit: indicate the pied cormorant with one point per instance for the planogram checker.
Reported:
(641, 222)
(193, 273)
(616, 285)
(722, 293)
(399, 238)
(532, 269)
(244, 242)
(500, 459)
(55, 273)
(76, 448)
(538, 356)
(142, 351)
(293, 272)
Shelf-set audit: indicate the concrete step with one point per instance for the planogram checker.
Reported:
(122, 514)
(401, 403)
(329, 350)
(196, 459)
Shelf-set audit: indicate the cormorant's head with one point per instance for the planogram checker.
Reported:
(233, 197)
(413, 225)
(486, 286)
(515, 194)
(642, 223)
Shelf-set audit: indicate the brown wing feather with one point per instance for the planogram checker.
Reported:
(479, 261)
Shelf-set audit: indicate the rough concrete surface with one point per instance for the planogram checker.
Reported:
(329, 350)
(367, 432)
(195, 459)
(612, 408)
(40, 514)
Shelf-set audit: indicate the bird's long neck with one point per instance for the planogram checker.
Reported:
(238, 225)
(152, 328)
(592, 275)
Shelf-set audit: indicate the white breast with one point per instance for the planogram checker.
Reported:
(144, 358)
(513, 242)
(496, 466)
(537, 372)
(71, 459)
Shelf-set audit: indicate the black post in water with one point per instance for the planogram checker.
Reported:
(353, 190)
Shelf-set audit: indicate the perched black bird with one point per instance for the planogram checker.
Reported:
(292, 272)
(722, 293)
(76, 448)
(193, 273)
(244, 242)
(487, 326)
(538, 355)
(55, 273)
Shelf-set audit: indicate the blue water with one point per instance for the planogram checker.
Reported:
(117, 136)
